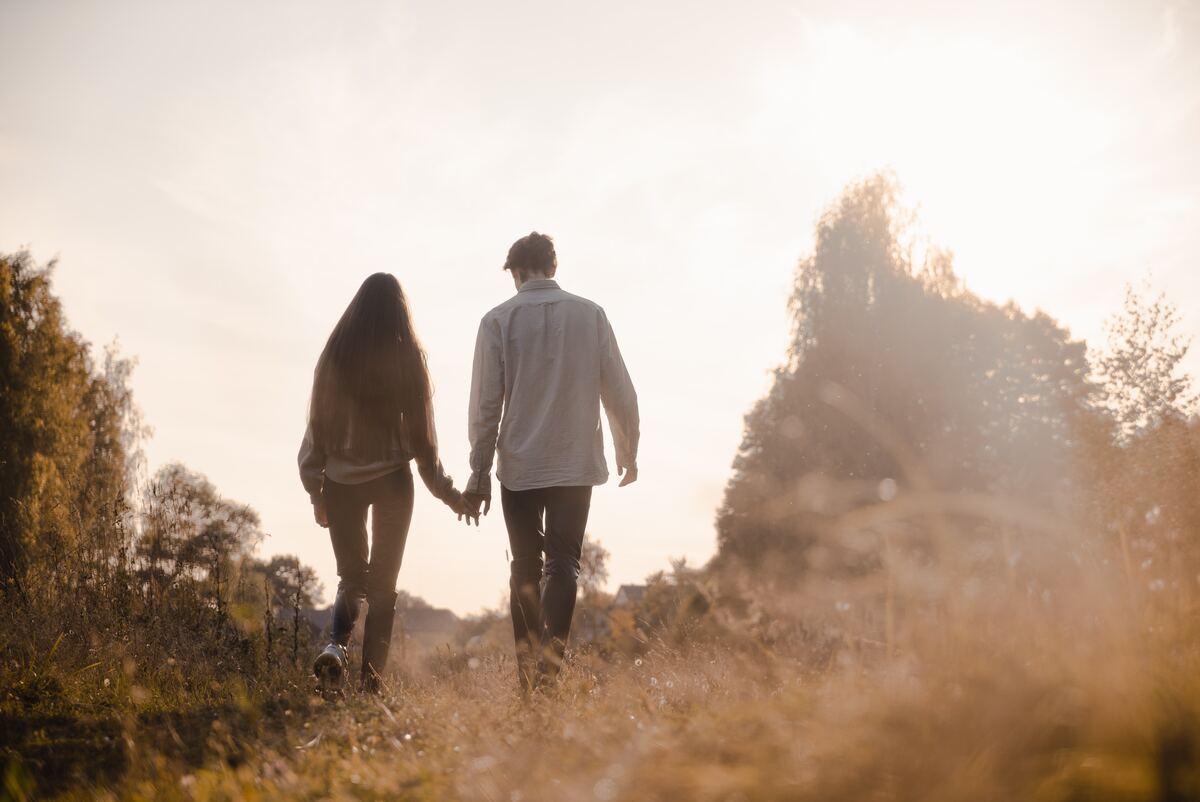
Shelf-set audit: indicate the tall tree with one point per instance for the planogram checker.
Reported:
(190, 531)
(64, 429)
(296, 585)
(1147, 460)
(896, 378)
(1144, 380)
(593, 567)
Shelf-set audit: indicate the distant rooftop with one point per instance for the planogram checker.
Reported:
(427, 619)
(629, 594)
(413, 620)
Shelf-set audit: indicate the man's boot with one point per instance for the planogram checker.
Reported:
(526, 608)
(527, 665)
(558, 607)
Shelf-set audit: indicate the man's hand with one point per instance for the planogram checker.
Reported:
(320, 513)
(464, 509)
(630, 473)
(476, 501)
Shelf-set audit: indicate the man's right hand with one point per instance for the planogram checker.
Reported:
(480, 503)
(464, 509)
(630, 474)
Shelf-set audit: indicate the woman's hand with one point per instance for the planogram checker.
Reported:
(320, 513)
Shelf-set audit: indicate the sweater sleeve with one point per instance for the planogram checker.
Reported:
(312, 465)
(423, 438)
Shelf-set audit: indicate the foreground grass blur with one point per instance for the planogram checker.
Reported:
(757, 694)
(984, 715)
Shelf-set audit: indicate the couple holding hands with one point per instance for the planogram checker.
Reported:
(545, 361)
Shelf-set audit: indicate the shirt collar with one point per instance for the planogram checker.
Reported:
(539, 284)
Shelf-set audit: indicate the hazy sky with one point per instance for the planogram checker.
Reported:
(217, 178)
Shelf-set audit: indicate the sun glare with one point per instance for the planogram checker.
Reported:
(986, 141)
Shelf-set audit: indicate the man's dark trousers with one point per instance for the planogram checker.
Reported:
(549, 520)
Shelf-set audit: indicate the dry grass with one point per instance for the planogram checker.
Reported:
(989, 719)
(987, 664)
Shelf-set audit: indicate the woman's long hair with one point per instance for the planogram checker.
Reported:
(371, 389)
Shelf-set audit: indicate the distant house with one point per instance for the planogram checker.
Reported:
(427, 620)
(319, 619)
(629, 594)
(433, 621)
(590, 624)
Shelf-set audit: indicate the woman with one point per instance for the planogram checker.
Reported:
(371, 412)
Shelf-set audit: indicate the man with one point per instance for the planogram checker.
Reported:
(544, 362)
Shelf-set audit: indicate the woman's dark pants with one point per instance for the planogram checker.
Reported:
(369, 571)
(548, 520)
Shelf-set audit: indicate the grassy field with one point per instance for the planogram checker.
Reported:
(994, 711)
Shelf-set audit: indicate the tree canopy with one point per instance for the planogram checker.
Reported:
(68, 430)
(897, 375)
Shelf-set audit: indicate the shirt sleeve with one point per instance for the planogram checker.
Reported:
(423, 435)
(312, 465)
(619, 398)
(486, 406)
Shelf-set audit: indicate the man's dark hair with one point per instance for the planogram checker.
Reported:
(533, 253)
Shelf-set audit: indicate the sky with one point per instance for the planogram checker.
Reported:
(216, 179)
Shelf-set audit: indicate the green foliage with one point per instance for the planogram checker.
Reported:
(295, 585)
(67, 432)
(190, 533)
(292, 582)
(126, 614)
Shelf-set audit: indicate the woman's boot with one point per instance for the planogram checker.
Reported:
(377, 639)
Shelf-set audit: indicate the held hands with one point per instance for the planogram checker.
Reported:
(630, 473)
(468, 506)
(476, 500)
(477, 504)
